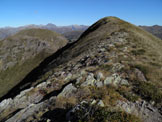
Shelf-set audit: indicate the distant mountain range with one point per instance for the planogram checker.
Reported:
(71, 32)
(8, 31)
(155, 30)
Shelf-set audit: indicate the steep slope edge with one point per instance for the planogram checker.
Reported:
(23, 52)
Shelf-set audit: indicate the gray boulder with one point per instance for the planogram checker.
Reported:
(115, 80)
(90, 80)
(68, 91)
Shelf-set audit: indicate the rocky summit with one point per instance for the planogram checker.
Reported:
(112, 73)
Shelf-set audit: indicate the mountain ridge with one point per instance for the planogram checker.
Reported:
(111, 73)
(155, 30)
(8, 31)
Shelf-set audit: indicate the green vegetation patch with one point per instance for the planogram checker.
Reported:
(13, 75)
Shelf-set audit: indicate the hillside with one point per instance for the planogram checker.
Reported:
(111, 73)
(155, 30)
(73, 35)
(21, 53)
(9, 31)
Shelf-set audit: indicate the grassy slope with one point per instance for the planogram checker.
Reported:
(144, 48)
(145, 51)
(13, 75)
(103, 29)
(42, 34)
(142, 39)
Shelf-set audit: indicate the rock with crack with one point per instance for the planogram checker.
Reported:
(68, 91)
(33, 111)
(7, 103)
(142, 109)
(24, 99)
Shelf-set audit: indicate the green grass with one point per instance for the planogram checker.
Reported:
(13, 75)
(41, 44)
(43, 34)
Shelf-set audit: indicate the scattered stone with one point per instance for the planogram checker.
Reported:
(78, 80)
(108, 80)
(5, 104)
(68, 91)
(117, 67)
(93, 102)
(83, 72)
(69, 76)
(79, 107)
(43, 85)
(140, 75)
(90, 80)
(99, 84)
(142, 109)
(115, 80)
(48, 120)
(100, 76)
(101, 104)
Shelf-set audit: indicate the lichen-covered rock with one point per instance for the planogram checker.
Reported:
(142, 109)
(115, 80)
(68, 91)
(101, 104)
(69, 76)
(31, 112)
(99, 84)
(100, 76)
(140, 76)
(109, 80)
(90, 80)
(117, 67)
(5, 104)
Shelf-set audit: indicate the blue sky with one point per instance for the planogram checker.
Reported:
(67, 12)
